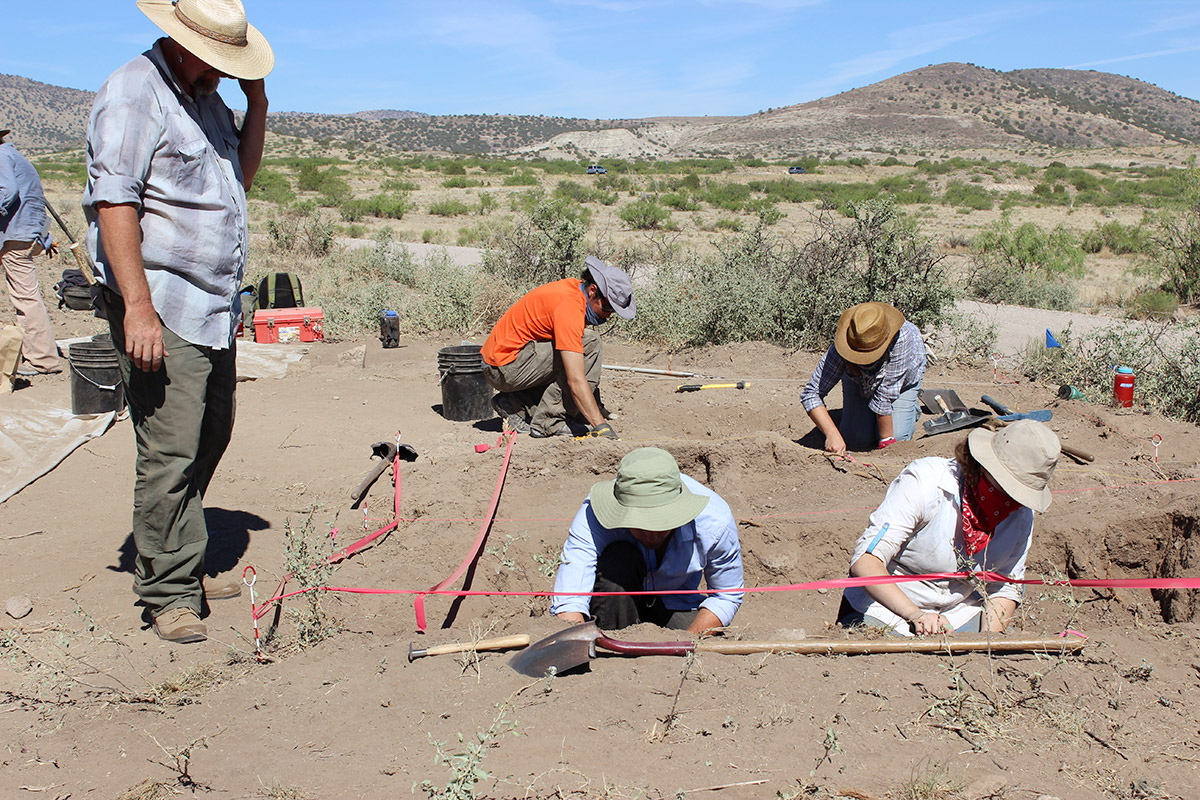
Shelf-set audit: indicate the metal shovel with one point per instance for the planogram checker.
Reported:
(954, 420)
(577, 645)
(1008, 415)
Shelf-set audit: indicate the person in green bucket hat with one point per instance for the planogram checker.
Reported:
(650, 529)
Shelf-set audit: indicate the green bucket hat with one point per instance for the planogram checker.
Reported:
(647, 494)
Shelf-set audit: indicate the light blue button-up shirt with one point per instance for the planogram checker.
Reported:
(706, 547)
(22, 204)
(176, 159)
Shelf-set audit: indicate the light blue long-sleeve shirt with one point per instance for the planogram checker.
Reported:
(706, 547)
(22, 203)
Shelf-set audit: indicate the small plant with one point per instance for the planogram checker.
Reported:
(1141, 673)
(305, 231)
(180, 761)
(306, 558)
(644, 215)
(449, 208)
(466, 765)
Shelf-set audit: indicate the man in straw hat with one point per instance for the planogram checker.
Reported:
(165, 201)
(25, 233)
(943, 514)
(652, 528)
(880, 359)
(546, 364)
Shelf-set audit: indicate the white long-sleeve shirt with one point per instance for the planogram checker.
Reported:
(917, 530)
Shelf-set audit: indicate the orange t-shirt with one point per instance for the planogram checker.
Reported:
(551, 312)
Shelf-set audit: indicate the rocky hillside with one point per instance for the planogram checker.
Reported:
(946, 106)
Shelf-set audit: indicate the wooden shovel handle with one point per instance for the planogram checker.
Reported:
(1077, 454)
(499, 643)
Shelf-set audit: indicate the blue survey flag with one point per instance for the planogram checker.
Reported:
(1050, 340)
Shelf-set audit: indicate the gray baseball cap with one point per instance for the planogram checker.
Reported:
(614, 284)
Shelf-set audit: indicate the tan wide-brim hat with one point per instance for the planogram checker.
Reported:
(647, 494)
(1021, 457)
(216, 32)
(865, 331)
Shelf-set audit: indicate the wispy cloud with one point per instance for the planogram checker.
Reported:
(1172, 51)
(1172, 23)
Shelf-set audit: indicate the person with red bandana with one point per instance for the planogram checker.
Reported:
(967, 513)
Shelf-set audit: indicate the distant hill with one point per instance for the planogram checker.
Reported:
(43, 116)
(946, 106)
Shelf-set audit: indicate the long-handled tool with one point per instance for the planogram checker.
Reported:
(695, 387)
(1007, 416)
(579, 644)
(386, 452)
(499, 643)
(82, 257)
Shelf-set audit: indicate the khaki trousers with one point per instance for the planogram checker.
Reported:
(536, 383)
(26, 295)
(182, 420)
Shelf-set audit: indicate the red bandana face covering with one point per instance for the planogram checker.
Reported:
(983, 508)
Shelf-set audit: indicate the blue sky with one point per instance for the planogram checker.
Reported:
(620, 58)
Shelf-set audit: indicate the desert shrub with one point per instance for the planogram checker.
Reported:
(444, 299)
(453, 168)
(972, 341)
(487, 204)
(727, 224)
(524, 177)
(461, 182)
(272, 186)
(303, 231)
(616, 183)
(385, 206)
(759, 287)
(906, 189)
(1024, 265)
(1091, 241)
(1175, 241)
(890, 161)
(765, 209)
(397, 185)
(729, 196)
(1167, 366)
(1152, 304)
(545, 246)
(967, 196)
(644, 214)
(449, 208)
(679, 202)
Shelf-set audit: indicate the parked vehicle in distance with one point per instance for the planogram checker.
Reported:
(596, 169)
(795, 170)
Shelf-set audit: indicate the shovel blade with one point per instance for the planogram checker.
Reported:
(956, 420)
(559, 652)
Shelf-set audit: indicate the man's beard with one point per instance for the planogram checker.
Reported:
(205, 85)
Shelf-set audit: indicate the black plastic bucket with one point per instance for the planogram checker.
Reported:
(466, 394)
(96, 386)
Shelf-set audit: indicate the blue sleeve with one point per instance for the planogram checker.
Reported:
(8, 184)
(723, 569)
(586, 539)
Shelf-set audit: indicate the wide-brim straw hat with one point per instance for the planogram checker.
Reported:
(216, 32)
(865, 331)
(647, 494)
(1020, 457)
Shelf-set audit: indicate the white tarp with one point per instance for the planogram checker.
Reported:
(36, 436)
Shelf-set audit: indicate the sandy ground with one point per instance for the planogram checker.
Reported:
(92, 704)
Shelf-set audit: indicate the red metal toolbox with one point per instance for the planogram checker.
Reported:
(289, 325)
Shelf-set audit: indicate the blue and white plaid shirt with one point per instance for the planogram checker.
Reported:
(903, 367)
(176, 159)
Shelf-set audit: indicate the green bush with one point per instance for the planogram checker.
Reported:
(727, 224)
(303, 231)
(729, 196)
(272, 186)
(545, 246)
(1153, 304)
(967, 196)
(1025, 265)
(644, 215)
(449, 208)
(679, 202)
(460, 182)
(1175, 243)
(397, 185)
(523, 178)
(385, 206)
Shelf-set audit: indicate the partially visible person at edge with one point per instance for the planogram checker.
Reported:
(24, 233)
(652, 528)
(971, 512)
(880, 359)
(166, 206)
(543, 361)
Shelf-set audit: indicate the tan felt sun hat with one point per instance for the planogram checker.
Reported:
(647, 494)
(1021, 457)
(216, 32)
(865, 331)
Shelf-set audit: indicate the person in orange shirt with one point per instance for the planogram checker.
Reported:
(543, 361)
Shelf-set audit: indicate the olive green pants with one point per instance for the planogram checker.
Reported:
(182, 420)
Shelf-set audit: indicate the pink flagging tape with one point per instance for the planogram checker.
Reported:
(485, 526)
(834, 583)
